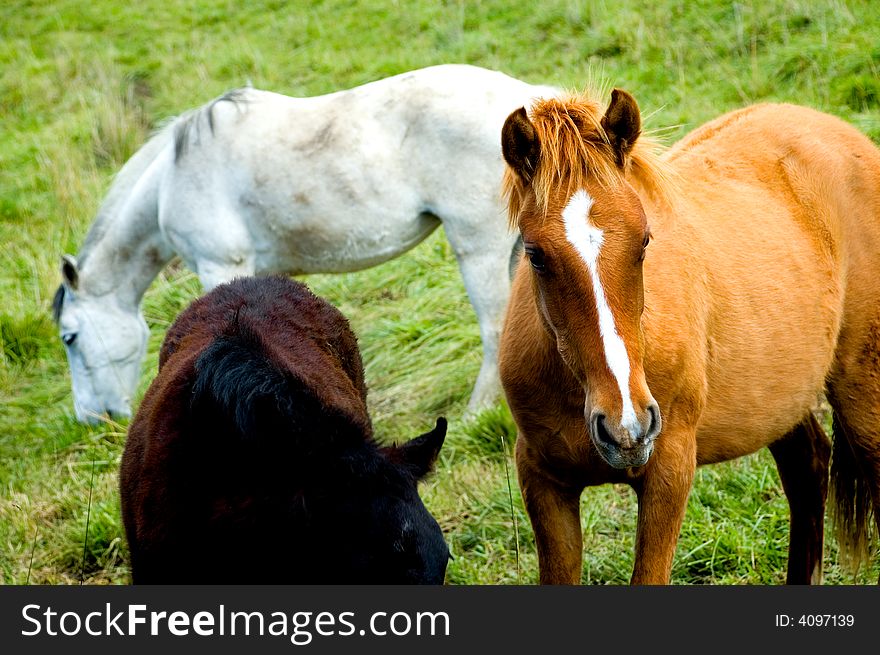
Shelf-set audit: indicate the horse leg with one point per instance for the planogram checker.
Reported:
(554, 511)
(484, 262)
(663, 492)
(802, 458)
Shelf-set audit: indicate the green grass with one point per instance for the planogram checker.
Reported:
(82, 84)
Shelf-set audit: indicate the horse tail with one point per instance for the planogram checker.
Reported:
(851, 502)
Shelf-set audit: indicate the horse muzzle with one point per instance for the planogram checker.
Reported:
(93, 416)
(625, 446)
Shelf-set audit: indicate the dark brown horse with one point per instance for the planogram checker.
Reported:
(252, 459)
(635, 364)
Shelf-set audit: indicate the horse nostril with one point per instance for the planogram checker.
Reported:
(653, 422)
(601, 432)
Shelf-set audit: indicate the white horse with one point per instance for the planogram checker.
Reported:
(257, 182)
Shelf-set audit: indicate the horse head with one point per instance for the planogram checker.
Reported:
(585, 235)
(384, 532)
(105, 341)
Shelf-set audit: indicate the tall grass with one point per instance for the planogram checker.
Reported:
(82, 84)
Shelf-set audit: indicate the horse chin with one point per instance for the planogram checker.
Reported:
(94, 401)
(624, 458)
(93, 416)
(121, 413)
(90, 417)
(87, 417)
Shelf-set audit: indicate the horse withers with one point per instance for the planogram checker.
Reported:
(252, 458)
(635, 363)
(258, 182)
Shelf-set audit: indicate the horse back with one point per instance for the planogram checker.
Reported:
(823, 170)
(407, 152)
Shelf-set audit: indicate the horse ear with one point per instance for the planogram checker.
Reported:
(420, 454)
(520, 145)
(622, 123)
(69, 271)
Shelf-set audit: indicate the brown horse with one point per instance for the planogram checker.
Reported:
(635, 364)
(252, 459)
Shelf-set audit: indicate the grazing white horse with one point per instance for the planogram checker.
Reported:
(257, 182)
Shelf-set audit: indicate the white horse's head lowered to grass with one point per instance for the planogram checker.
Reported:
(105, 343)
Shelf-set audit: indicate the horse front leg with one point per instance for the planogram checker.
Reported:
(554, 511)
(484, 262)
(663, 492)
(802, 458)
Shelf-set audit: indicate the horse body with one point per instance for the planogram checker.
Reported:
(257, 182)
(251, 458)
(761, 288)
(757, 294)
(375, 169)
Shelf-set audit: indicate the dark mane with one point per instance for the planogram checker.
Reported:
(273, 348)
(185, 126)
(241, 384)
(57, 302)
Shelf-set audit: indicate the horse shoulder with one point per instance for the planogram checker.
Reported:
(677, 317)
(153, 436)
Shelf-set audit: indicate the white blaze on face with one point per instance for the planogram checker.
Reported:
(587, 240)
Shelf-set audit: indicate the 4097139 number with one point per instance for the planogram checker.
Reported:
(816, 620)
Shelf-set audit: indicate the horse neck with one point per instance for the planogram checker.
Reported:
(125, 249)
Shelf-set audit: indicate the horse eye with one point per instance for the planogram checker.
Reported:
(645, 243)
(68, 338)
(537, 259)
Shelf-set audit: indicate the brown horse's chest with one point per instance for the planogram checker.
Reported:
(567, 454)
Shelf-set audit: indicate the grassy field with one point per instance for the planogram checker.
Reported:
(82, 84)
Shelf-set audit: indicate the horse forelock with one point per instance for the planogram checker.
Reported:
(576, 150)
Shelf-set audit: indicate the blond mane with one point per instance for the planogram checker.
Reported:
(575, 149)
